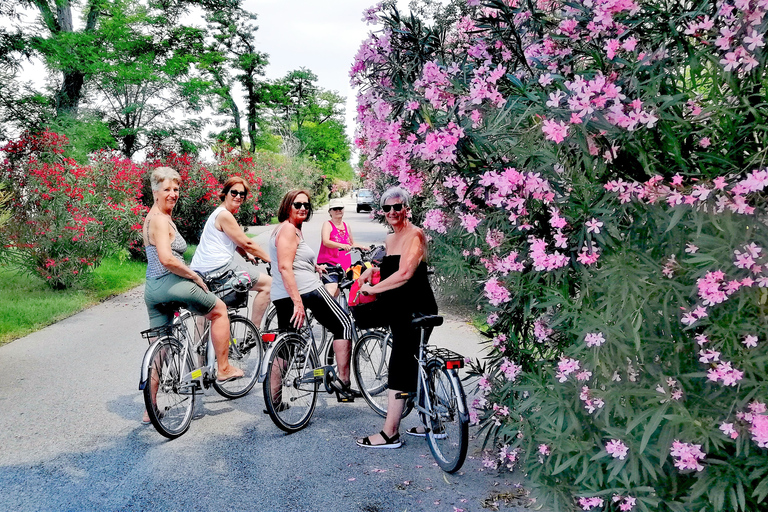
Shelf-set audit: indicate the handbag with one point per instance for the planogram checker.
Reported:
(356, 298)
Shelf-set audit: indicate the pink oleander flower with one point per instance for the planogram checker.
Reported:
(492, 319)
(705, 142)
(590, 503)
(725, 373)
(626, 503)
(617, 449)
(750, 341)
(687, 455)
(469, 222)
(594, 339)
(691, 249)
(510, 369)
(541, 331)
(436, 220)
(555, 131)
(728, 430)
(544, 449)
(593, 226)
(495, 292)
(565, 367)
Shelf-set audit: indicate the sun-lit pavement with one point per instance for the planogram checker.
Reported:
(71, 437)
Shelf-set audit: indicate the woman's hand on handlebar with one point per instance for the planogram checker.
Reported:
(321, 269)
(366, 276)
(297, 319)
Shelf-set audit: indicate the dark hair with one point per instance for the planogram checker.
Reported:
(285, 205)
(231, 182)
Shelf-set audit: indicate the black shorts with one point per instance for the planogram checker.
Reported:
(325, 310)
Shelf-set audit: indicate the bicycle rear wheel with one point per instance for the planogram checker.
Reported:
(169, 402)
(290, 402)
(448, 435)
(245, 352)
(371, 367)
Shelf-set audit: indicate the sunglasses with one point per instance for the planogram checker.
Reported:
(397, 207)
(299, 205)
(235, 193)
(337, 209)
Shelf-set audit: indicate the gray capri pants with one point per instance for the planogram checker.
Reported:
(160, 291)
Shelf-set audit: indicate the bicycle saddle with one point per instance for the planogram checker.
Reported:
(422, 322)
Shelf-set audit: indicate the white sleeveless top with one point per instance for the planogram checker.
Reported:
(216, 248)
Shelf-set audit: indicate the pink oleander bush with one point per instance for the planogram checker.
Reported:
(593, 173)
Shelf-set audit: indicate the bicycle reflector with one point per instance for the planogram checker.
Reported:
(268, 337)
(454, 364)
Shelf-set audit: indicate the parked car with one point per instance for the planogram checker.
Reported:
(364, 200)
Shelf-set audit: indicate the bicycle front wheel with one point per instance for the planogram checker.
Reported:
(245, 352)
(169, 401)
(448, 435)
(290, 391)
(371, 367)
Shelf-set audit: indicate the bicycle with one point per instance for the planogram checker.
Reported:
(292, 373)
(181, 361)
(439, 399)
(322, 337)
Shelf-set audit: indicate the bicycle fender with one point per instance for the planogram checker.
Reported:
(145, 364)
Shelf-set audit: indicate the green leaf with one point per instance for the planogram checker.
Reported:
(652, 426)
(676, 216)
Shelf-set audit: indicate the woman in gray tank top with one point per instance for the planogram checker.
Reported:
(297, 285)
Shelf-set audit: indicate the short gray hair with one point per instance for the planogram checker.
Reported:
(160, 174)
(396, 193)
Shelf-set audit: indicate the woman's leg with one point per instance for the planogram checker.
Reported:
(261, 301)
(333, 289)
(392, 421)
(220, 337)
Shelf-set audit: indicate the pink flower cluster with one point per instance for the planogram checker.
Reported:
(495, 292)
(541, 331)
(737, 32)
(436, 220)
(594, 339)
(591, 404)
(510, 369)
(590, 503)
(725, 373)
(734, 199)
(565, 367)
(757, 419)
(626, 503)
(687, 455)
(616, 449)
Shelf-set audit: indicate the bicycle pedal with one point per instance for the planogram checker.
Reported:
(344, 399)
(403, 396)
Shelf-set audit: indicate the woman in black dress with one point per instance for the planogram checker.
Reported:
(403, 291)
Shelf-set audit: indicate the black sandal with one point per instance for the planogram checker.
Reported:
(389, 442)
(343, 391)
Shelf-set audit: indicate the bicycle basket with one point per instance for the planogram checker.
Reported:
(231, 287)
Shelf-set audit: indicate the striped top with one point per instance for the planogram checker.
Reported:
(155, 269)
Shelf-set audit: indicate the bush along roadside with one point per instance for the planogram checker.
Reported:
(595, 173)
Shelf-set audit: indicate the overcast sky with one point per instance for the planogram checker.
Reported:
(321, 35)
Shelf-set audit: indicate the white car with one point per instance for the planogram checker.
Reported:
(364, 200)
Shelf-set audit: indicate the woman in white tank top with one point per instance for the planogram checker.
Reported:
(222, 236)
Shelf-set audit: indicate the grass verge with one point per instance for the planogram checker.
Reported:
(27, 304)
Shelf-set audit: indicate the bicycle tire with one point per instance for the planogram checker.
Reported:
(170, 410)
(245, 352)
(290, 404)
(371, 369)
(448, 434)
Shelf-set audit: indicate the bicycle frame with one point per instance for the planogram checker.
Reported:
(201, 376)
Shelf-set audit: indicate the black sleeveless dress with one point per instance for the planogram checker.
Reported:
(398, 307)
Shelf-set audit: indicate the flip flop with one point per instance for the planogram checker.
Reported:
(224, 381)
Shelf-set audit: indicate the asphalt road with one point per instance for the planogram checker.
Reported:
(70, 436)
